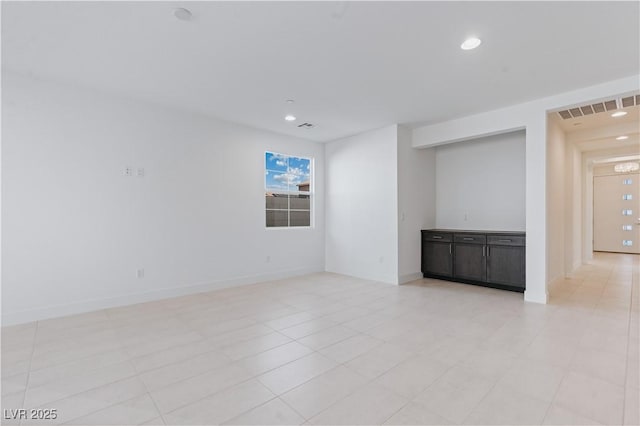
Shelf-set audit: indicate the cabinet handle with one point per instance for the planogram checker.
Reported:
(449, 248)
(504, 241)
(468, 239)
(436, 237)
(483, 247)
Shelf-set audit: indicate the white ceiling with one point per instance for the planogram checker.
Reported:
(349, 66)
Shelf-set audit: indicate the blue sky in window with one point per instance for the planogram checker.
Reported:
(284, 173)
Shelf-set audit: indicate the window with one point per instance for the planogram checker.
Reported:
(627, 243)
(627, 227)
(627, 181)
(627, 212)
(288, 190)
(627, 197)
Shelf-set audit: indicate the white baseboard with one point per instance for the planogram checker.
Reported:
(536, 297)
(576, 265)
(389, 279)
(407, 278)
(56, 311)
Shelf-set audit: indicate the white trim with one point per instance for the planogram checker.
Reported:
(130, 299)
(536, 297)
(406, 278)
(310, 193)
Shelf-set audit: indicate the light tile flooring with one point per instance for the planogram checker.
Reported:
(330, 349)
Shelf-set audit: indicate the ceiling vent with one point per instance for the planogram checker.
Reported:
(599, 107)
(306, 125)
(630, 101)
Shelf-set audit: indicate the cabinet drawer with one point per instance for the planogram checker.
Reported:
(506, 240)
(470, 238)
(437, 236)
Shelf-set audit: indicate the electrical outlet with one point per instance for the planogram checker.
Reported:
(140, 172)
(140, 273)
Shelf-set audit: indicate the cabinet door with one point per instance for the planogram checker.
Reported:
(437, 258)
(505, 265)
(469, 262)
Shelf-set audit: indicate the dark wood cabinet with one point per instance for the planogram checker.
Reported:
(437, 259)
(437, 254)
(470, 262)
(493, 259)
(506, 265)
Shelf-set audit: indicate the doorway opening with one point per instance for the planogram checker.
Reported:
(592, 150)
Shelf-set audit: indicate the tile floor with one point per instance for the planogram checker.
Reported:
(330, 349)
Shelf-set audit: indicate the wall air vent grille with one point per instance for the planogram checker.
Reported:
(565, 114)
(575, 112)
(606, 106)
(306, 125)
(586, 110)
(611, 105)
(627, 102)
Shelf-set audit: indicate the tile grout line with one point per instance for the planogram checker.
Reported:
(626, 365)
(33, 349)
(68, 421)
(253, 377)
(149, 395)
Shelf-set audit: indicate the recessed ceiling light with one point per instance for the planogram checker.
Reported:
(621, 138)
(183, 14)
(290, 117)
(619, 113)
(289, 101)
(470, 43)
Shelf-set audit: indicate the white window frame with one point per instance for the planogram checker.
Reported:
(310, 193)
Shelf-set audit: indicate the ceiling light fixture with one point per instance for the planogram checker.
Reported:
(183, 14)
(470, 43)
(290, 117)
(289, 101)
(621, 138)
(626, 167)
(619, 114)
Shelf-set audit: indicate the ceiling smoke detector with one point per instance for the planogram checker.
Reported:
(183, 14)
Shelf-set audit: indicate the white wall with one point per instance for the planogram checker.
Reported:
(361, 190)
(416, 202)
(556, 208)
(573, 204)
(480, 184)
(531, 116)
(76, 229)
